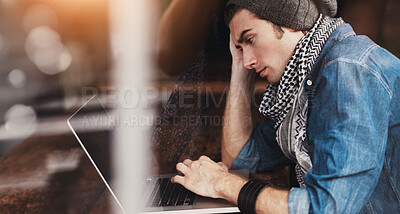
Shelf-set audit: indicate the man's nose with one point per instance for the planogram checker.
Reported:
(249, 60)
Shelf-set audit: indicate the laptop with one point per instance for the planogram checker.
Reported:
(94, 129)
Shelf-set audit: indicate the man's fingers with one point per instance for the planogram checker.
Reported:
(205, 158)
(187, 162)
(223, 165)
(178, 179)
(231, 44)
(182, 168)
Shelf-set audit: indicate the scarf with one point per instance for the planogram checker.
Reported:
(286, 103)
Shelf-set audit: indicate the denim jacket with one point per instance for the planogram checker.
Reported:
(353, 131)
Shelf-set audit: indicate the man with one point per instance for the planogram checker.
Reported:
(332, 107)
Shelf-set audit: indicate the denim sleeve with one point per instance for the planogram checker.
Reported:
(347, 132)
(261, 152)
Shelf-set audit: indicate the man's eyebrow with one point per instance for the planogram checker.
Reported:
(240, 40)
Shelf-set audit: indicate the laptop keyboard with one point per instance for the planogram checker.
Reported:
(166, 193)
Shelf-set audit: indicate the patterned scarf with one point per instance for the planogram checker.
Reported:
(286, 103)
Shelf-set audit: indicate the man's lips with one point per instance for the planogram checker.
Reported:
(262, 72)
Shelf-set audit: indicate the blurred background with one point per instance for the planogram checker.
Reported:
(49, 51)
(53, 53)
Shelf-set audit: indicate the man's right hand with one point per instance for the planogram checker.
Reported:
(237, 56)
(237, 59)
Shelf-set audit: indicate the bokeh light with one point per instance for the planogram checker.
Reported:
(21, 118)
(17, 78)
(44, 47)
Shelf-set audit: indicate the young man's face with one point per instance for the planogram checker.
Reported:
(260, 46)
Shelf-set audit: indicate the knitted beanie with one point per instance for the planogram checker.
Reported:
(295, 14)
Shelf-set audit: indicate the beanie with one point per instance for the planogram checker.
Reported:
(295, 14)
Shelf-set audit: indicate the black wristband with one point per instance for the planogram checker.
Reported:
(248, 195)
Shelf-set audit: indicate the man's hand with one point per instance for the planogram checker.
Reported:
(207, 178)
(237, 59)
(201, 176)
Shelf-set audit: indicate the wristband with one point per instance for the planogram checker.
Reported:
(248, 195)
